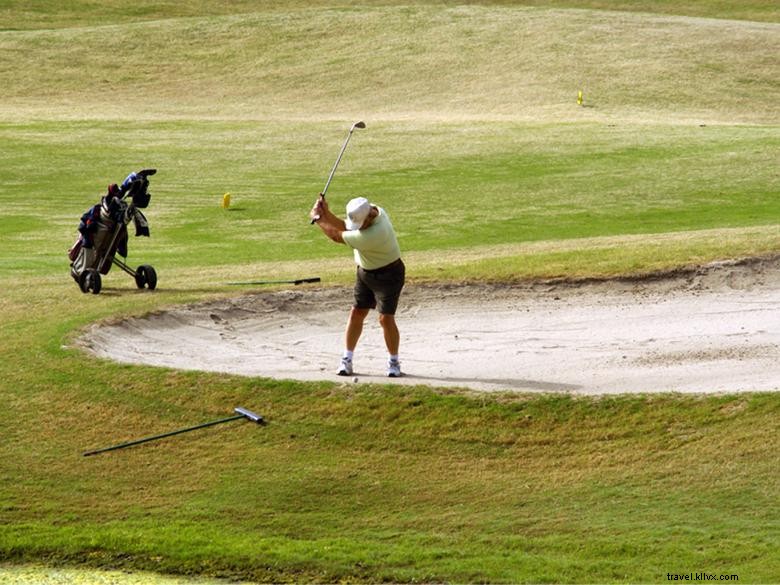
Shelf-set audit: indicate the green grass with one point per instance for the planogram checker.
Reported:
(490, 171)
(437, 486)
(507, 186)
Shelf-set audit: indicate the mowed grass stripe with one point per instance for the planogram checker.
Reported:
(446, 186)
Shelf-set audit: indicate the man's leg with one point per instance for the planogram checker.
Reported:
(354, 327)
(392, 341)
(364, 301)
(351, 335)
(390, 330)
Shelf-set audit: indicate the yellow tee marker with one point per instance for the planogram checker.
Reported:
(226, 201)
(579, 98)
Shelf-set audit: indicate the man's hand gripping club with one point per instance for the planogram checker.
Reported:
(330, 224)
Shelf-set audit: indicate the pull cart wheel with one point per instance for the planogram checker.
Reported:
(145, 276)
(90, 281)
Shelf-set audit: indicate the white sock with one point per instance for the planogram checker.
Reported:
(393, 358)
(348, 354)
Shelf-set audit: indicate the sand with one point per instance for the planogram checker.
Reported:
(708, 329)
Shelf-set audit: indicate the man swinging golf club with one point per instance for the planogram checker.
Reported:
(380, 272)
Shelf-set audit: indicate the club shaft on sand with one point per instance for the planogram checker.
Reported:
(338, 160)
(242, 413)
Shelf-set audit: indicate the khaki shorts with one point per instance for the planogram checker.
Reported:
(381, 288)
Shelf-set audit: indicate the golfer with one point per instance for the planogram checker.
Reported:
(380, 272)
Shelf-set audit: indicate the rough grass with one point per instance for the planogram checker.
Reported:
(400, 484)
(46, 14)
(490, 170)
(419, 61)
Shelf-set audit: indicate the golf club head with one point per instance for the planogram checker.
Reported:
(256, 418)
(358, 125)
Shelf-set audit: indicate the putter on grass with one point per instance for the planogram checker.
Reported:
(240, 413)
(332, 172)
(296, 282)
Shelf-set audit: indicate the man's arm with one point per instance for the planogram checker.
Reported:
(330, 225)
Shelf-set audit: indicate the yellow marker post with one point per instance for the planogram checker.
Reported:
(579, 98)
(226, 201)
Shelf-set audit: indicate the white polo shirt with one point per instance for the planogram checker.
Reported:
(375, 246)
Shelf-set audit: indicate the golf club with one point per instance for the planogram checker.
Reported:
(240, 413)
(332, 172)
(296, 282)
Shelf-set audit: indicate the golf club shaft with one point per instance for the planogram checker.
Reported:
(162, 436)
(297, 281)
(338, 160)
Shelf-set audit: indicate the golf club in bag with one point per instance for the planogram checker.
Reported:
(333, 171)
(103, 234)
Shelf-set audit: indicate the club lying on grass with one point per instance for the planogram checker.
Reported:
(241, 413)
(296, 281)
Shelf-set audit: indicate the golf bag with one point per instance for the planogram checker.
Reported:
(103, 234)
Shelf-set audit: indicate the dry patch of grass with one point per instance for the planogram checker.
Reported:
(420, 62)
(598, 257)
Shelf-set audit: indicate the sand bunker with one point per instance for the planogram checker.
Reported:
(713, 329)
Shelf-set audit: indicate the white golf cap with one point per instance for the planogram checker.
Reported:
(357, 212)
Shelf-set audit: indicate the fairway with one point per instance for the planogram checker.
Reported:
(586, 198)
